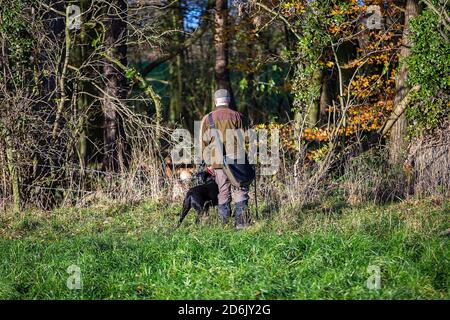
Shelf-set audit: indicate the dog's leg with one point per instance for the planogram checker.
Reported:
(199, 210)
(206, 208)
(199, 215)
(186, 208)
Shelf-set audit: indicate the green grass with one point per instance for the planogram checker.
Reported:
(134, 253)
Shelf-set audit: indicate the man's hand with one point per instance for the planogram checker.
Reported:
(211, 171)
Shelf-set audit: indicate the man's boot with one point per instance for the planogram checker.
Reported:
(224, 212)
(241, 215)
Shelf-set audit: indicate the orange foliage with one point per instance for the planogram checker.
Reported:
(372, 89)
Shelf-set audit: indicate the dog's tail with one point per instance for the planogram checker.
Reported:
(186, 207)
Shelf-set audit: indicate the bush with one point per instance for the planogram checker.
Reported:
(370, 177)
(429, 67)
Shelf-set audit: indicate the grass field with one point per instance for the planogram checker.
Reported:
(318, 253)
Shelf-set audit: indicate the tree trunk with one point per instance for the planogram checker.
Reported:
(221, 38)
(398, 145)
(115, 85)
(312, 117)
(176, 68)
(48, 66)
(14, 177)
(82, 105)
(54, 24)
(325, 99)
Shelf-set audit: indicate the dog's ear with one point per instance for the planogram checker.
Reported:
(203, 177)
(206, 176)
(197, 176)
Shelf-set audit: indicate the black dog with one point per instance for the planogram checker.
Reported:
(201, 197)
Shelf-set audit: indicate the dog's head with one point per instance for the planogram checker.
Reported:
(204, 177)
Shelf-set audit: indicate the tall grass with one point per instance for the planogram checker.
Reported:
(321, 252)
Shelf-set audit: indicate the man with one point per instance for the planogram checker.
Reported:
(224, 119)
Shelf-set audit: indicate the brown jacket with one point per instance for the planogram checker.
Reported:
(224, 118)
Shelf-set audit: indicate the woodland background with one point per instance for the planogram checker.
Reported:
(86, 112)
